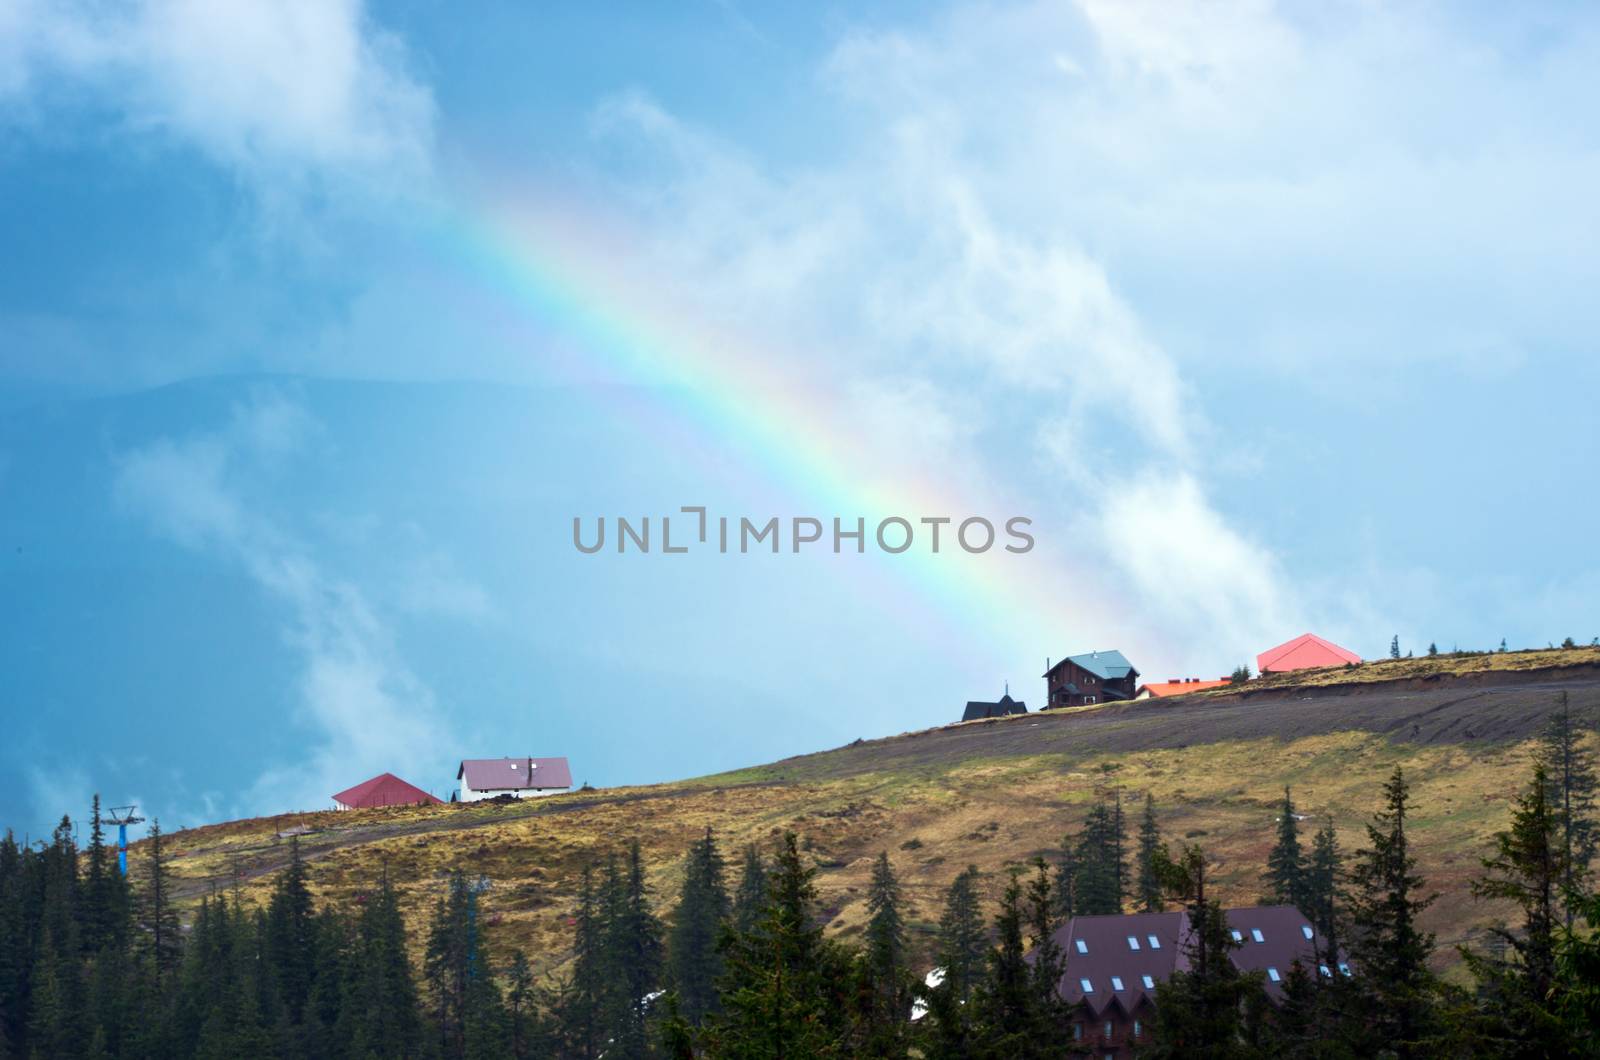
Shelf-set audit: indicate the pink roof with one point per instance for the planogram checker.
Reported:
(385, 789)
(1304, 652)
(515, 774)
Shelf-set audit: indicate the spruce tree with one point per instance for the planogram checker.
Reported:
(750, 900)
(963, 942)
(1098, 871)
(1570, 773)
(1006, 1013)
(1387, 945)
(1286, 866)
(1394, 647)
(1322, 882)
(579, 1013)
(1527, 868)
(886, 974)
(157, 917)
(447, 964)
(634, 955)
(785, 992)
(1201, 1011)
(693, 961)
(1047, 960)
(1147, 885)
(380, 992)
(289, 938)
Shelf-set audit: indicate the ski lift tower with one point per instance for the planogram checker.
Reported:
(122, 817)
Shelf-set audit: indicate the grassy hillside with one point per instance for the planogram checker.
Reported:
(990, 793)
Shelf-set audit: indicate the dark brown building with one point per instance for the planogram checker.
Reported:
(1096, 677)
(1115, 962)
(977, 709)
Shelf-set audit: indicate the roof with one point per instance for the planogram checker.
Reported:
(977, 709)
(515, 774)
(1178, 688)
(1106, 665)
(385, 789)
(1108, 956)
(1304, 652)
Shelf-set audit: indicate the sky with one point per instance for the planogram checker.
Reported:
(321, 323)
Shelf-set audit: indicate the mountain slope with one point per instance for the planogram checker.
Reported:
(990, 793)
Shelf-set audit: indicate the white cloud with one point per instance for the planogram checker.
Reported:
(279, 91)
(367, 710)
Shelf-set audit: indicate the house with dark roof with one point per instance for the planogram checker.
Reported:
(977, 710)
(488, 778)
(1113, 964)
(385, 789)
(1094, 677)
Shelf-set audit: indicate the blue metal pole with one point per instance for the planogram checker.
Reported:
(122, 848)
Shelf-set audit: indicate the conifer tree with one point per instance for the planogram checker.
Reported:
(1570, 773)
(785, 991)
(886, 975)
(579, 1014)
(963, 941)
(1322, 880)
(157, 917)
(380, 992)
(1387, 945)
(633, 954)
(289, 934)
(1098, 871)
(447, 964)
(1147, 884)
(1527, 868)
(1394, 647)
(1007, 1014)
(1286, 865)
(694, 962)
(1201, 1011)
(750, 900)
(1047, 960)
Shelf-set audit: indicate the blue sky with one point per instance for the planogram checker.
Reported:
(1271, 317)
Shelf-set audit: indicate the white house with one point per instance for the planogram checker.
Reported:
(486, 778)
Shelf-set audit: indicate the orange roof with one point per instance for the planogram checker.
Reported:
(1178, 688)
(1307, 651)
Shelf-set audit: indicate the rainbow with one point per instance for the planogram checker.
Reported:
(564, 271)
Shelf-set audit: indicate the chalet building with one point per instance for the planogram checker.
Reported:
(1083, 680)
(1177, 686)
(1304, 653)
(1113, 964)
(977, 710)
(488, 778)
(385, 789)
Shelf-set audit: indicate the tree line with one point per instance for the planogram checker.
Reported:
(742, 967)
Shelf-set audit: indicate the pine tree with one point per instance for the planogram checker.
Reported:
(750, 900)
(1098, 874)
(447, 965)
(785, 993)
(885, 974)
(1570, 773)
(380, 993)
(1007, 1015)
(523, 1016)
(1527, 868)
(634, 954)
(578, 1014)
(1387, 945)
(694, 962)
(1286, 865)
(1147, 885)
(157, 917)
(1394, 647)
(1322, 879)
(1047, 960)
(289, 940)
(963, 942)
(1433, 649)
(1201, 1011)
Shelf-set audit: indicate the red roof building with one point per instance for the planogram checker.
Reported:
(1176, 687)
(1303, 653)
(385, 789)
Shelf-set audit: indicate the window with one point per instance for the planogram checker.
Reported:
(1238, 936)
(1255, 933)
(1083, 947)
(1344, 969)
(1088, 987)
(1272, 973)
(1305, 929)
(1116, 982)
(1133, 942)
(1138, 1029)
(1155, 943)
(1108, 1030)
(1077, 1032)
(1323, 968)
(1149, 983)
